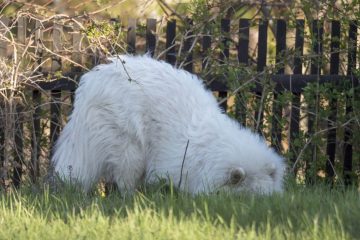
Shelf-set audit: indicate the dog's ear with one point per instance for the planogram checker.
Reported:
(236, 176)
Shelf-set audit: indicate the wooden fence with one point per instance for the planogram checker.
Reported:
(295, 82)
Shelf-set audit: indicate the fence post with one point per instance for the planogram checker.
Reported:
(3, 53)
(36, 136)
(331, 123)
(277, 108)
(19, 147)
(225, 39)
(170, 42)
(55, 94)
(150, 36)
(261, 64)
(224, 54)
(317, 46)
(131, 36)
(317, 31)
(36, 96)
(243, 58)
(19, 132)
(187, 49)
(295, 103)
(77, 56)
(348, 135)
(243, 47)
(206, 47)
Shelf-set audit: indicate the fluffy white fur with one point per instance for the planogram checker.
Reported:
(131, 123)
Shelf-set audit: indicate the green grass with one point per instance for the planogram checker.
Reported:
(299, 213)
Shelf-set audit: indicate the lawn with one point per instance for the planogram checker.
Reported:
(161, 213)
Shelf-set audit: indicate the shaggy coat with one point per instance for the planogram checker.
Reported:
(132, 120)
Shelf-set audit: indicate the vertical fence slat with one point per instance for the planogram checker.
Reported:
(150, 36)
(55, 94)
(36, 136)
(206, 47)
(317, 46)
(3, 53)
(243, 47)
(3, 43)
(36, 96)
(19, 148)
(170, 42)
(77, 56)
(187, 51)
(295, 103)
(55, 118)
(56, 37)
(335, 48)
(261, 64)
(277, 110)
(131, 36)
(224, 53)
(243, 58)
(317, 31)
(299, 46)
(334, 70)
(262, 45)
(2, 143)
(19, 131)
(348, 135)
(21, 32)
(280, 45)
(57, 47)
(38, 45)
(225, 41)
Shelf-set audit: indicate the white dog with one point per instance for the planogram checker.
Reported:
(132, 121)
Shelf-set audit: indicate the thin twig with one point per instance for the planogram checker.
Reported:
(223, 100)
(164, 4)
(182, 164)
(312, 137)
